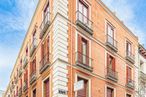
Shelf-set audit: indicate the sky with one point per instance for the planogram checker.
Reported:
(15, 16)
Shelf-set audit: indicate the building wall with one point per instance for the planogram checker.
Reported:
(63, 32)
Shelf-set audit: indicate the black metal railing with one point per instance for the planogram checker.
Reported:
(25, 86)
(112, 74)
(20, 92)
(84, 19)
(32, 76)
(33, 46)
(84, 60)
(20, 71)
(112, 41)
(45, 23)
(130, 55)
(130, 83)
(25, 61)
(45, 61)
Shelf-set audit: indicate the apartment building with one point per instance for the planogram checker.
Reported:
(75, 48)
(141, 81)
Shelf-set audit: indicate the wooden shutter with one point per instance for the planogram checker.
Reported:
(127, 73)
(87, 52)
(113, 64)
(79, 49)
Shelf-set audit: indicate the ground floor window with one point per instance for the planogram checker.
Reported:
(110, 92)
(85, 91)
(128, 95)
(34, 93)
(46, 88)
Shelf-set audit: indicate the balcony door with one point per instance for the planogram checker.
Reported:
(128, 48)
(110, 63)
(83, 11)
(46, 12)
(129, 74)
(110, 34)
(83, 50)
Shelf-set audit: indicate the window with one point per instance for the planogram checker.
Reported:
(83, 11)
(33, 66)
(129, 74)
(83, 50)
(34, 93)
(110, 92)
(84, 92)
(110, 33)
(110, 62)
(128, 48)
(47, 88)
(26, 77)
(128, 95)
(45, 50)
(46, 10)
(26, 51)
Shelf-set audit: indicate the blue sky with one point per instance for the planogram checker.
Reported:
(15, 16)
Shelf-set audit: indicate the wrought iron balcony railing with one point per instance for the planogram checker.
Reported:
(20, 92)
(112, 43)
(25, 86)
(45, 24)
(20, 71)
(112, 74)
(130, 57)
(33, 46)
(130, 84)
(45, 62)
(84, 61)
(25, 61)
(84, 22)
(33, 77)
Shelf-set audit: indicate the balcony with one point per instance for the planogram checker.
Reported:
(84, 61)
(130, 84)
(25, 86)
(33, 77)
(130, 57)
(20, 92)
(84, 22)
(25, 62)
(111, 43)
(16, 80)
(44, 63)
(112, 75)
(45, 24)
(20, 71)
(33, 46)
(143, 76)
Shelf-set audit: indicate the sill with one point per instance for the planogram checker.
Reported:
(115, 49)
(130, 59)
(88, 68)
(84, 26)
(43, 68)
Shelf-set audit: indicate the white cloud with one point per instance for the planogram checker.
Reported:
(125, 11)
